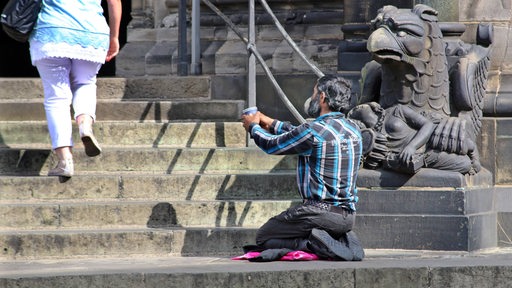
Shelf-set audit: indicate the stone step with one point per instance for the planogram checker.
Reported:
(148, 160)
(377, 230)
(431, 216)
(124, 242)
(52, 215)
(180, 187)
(231, 187)
(381, 268)
(117, 88)
(34, 134)
(115, 110)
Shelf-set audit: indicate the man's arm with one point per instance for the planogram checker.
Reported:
(277, 137)
(297, 141)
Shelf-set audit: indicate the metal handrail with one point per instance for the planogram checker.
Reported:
(251, 47)
(290, 40)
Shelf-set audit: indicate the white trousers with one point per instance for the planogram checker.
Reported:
(67, 82)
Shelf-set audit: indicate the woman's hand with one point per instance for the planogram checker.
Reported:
(113, 49)
(114, 21)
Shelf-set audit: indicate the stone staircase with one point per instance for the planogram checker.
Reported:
(175, 177)
(177, 191)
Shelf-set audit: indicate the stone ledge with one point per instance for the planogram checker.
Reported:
(381, 268)
(425, 178)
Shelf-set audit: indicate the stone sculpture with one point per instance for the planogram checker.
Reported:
(421, 96)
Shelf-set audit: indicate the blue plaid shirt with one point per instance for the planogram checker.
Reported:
(329, 150)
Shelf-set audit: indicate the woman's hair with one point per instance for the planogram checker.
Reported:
(337, 92)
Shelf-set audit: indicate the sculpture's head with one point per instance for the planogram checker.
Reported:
(370, 114)
(402, 35)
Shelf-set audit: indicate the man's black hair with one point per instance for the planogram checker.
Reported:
(337, 92)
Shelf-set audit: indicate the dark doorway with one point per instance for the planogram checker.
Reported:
(15, 56)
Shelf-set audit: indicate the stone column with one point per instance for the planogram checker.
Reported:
(142, 15)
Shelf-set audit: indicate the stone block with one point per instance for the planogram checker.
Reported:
(167, 88)
(396, 277)
(282, 60)
(159, 58)
(353, 61)
(431, 210)
(484, 143)
(448, 10)
(321, 53)
(21, 88)
(489, 10)
(169, 34)
(208, 57)
(482, 233)
(231, 58)
(427, 232)
(27, 111)
(504, 229)
(266, 49)
(46, 188)
(503, 199)
(225, 87)
(503, 162)
(131, 59)
(142, 35)
(270, 32)
(465, 277)
(323, 32)
(425, 178)
(500, 54)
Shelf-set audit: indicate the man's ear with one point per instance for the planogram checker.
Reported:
(322, 97)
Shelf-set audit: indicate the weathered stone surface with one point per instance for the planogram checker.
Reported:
(159, 58)
(136, 110)
(123, 243)
(21, 88)
(150, 160)
(380, 269)
(151, 213)
(43, 189)
(498, 277)
(475, 10)
(505, 229)
(427, 232)
(397, 277)
(131, 59)
(140, 187)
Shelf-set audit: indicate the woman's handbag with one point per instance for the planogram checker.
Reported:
(19, 17)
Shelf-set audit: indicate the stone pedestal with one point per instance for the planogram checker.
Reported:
(432, 210)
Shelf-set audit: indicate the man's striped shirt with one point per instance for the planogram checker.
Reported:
(329, 150)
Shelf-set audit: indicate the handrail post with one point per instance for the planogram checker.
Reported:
(251, 64)
(196, 65)
(182, 39)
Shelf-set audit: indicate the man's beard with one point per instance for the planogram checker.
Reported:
(312, 107)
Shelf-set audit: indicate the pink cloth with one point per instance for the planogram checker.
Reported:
(290, 256)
